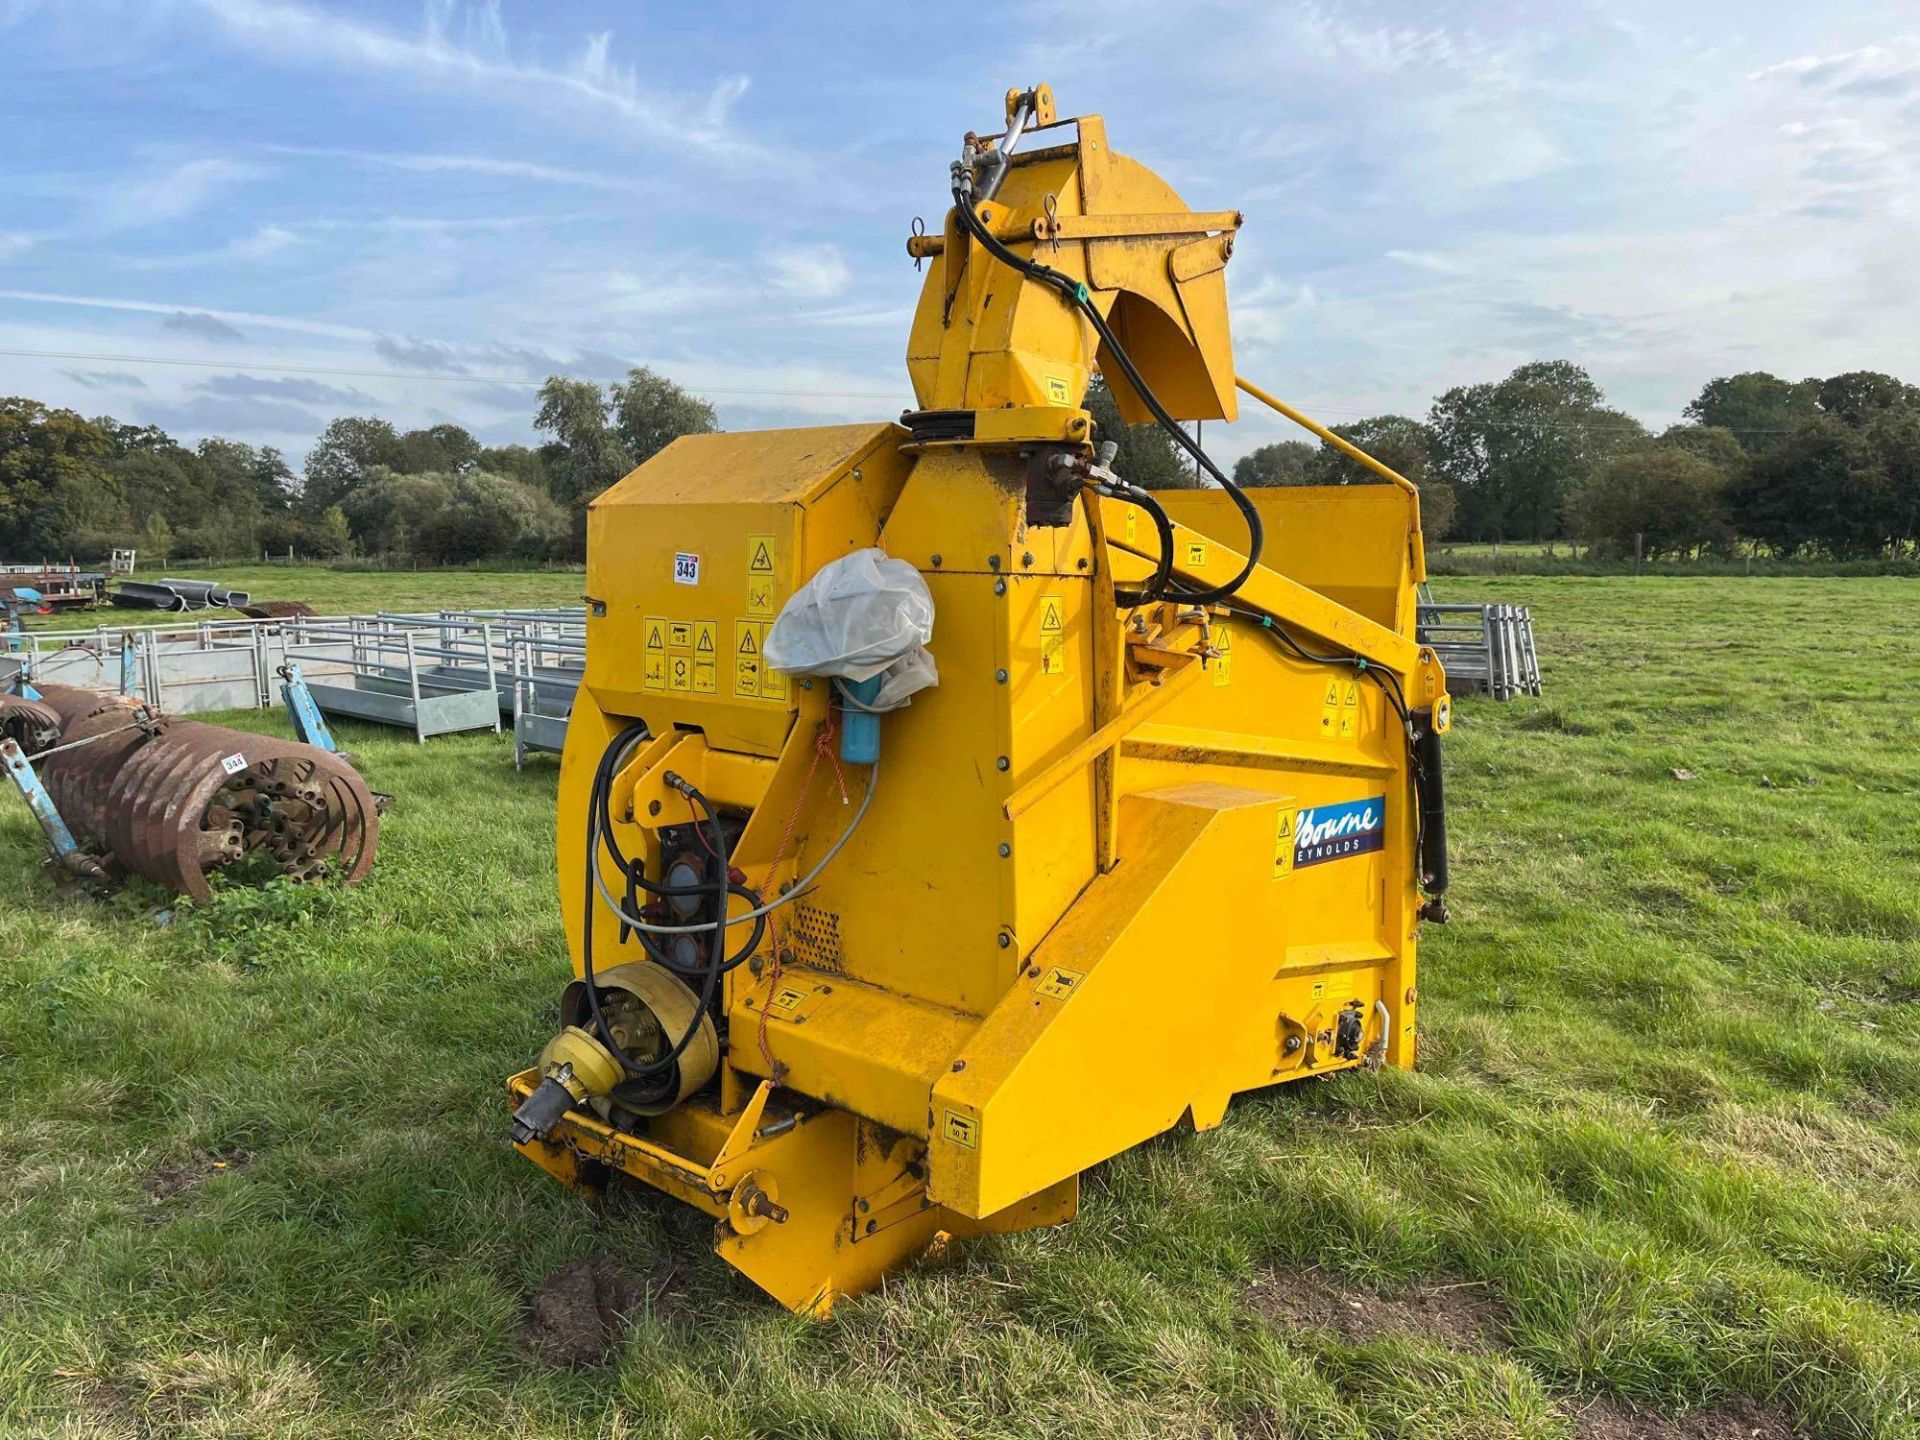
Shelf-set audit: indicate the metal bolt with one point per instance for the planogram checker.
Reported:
(862, 1206)
(1001, 676)
(936, 562)
(856, 473)
(1005, 850)
(1005, 940)
(999, 587)
(1081, 563)
(1002, 763)
(1026, 559)
(872, 1225)
(958, 1066)
(993, 562)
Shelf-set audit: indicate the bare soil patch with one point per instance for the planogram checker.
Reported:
(173, 1177)
(582, 1312)
(1459, 1315)
(1737, 1420)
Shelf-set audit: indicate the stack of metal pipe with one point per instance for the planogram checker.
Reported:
(178, 594)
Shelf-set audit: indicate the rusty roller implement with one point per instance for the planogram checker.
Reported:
(33, 725)
(174, 800)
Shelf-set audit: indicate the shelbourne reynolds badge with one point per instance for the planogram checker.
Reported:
(1333, 832)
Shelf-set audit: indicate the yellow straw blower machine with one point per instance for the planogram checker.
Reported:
(941, 813)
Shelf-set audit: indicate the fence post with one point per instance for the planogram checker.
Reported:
(413, 684)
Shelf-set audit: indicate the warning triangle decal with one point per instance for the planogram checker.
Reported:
(747, 647)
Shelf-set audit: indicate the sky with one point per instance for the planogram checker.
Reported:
(245, 217)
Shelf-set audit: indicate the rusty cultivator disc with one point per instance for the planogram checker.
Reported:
(174, 800)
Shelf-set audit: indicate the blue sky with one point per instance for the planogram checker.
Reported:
(420, 211)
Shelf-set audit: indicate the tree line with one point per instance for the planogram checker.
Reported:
(77, 487)
(1800, 467)
(1828, 467)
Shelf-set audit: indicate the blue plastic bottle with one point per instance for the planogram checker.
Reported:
(859, 729)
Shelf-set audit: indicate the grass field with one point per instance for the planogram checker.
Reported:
(1660, 1158)
(346, 592)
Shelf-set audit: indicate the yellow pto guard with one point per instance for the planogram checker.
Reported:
(1158, 836)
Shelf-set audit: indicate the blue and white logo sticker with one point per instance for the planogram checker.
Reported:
(1333, 832)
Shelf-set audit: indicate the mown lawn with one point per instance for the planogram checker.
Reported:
(1661, 1153)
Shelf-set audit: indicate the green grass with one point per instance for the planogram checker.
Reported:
(345, 591)
(1667, 1123)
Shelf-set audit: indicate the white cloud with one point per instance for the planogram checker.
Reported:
(230, 318)
(180, 189)
(1428, 260)
(306, 35)
(474, 164)
(807, 272)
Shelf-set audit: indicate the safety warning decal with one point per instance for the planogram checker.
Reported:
(960, 1129)
(1334, 832)
(747, 669)
(752, 679)
(1057, 392)
(1196, 554)
(1283, 827)
(653, 664)
(1340, 710)
(760, 553)
(1223, 657)
(1053, 636)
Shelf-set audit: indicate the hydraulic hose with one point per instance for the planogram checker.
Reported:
(794, 892)
(602, 781)
(601, 830)
(1163, 526)
(598, 805)
(1077, 295)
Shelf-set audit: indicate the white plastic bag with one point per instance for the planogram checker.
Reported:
(858, 616)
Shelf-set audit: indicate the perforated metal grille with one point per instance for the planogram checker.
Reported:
(815, 937)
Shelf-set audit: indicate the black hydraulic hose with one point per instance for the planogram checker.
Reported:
(1431, 784)
(596, 804)
(1423, 751)
(1076, 294)
(1163, 567)
(635, 870)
